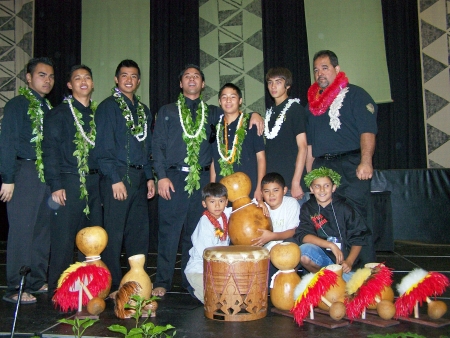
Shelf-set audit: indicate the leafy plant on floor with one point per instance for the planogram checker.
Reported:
(145, 330)
(79, 325)
(396, 335)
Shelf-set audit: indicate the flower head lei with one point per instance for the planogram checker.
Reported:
(278, 122)
(226, 163)
(140, 130)
(84, 143)
(322, 172)
(37, 117)
(193, 135)
(219, 232)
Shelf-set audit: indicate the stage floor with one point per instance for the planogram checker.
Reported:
(179, 309)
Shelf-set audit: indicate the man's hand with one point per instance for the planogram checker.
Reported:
(164, 187)
(150, 189)
(258, 121)
(59, 196)
(6, 192)
(119, 191)
(297, 191)
(364, 171)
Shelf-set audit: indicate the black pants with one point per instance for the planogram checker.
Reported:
(177, 216)
(29, 228)
(126, 222)
(356, 192)
(67, 220)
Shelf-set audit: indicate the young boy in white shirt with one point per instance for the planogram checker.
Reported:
(211, 230)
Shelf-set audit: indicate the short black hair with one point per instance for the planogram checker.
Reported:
(333, 58)
(191, 65)
(232, 86)
(214, 190)
(75, 68)
(273, 178)
(129, 64)
(31, 65)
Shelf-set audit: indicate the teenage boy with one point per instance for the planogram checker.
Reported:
(285, 132)
(211, 230)
(331, 230)
(123, 149)
(73, 179)
(23, 186)
(236, 147)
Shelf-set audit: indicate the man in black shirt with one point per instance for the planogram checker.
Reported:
(123, 148)
(73, 179)
(23, 184)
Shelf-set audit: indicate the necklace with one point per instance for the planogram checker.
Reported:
(279, 121)
(192, 139)
(37, 117)
(139, 131)
(226, 163)
(219, 232)
(319, 103)
(84, 143)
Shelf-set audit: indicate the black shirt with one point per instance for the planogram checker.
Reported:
(169, 148)
(58, 145)
(115, 146)
(16, 135)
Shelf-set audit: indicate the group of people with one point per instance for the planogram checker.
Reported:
(78, 165)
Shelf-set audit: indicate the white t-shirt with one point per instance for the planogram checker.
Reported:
(204, 237)
(285, 217)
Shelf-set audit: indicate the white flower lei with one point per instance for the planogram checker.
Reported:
(200, 126)
(77, 121)
(277, 126)
(227, 159)
(335, 123)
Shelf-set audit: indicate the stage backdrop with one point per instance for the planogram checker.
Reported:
(112, 31)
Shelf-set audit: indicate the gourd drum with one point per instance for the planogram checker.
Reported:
(246, 218)
(235, 282)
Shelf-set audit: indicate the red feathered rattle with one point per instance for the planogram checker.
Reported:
(364, 288)
(310, 291)
(418, 286)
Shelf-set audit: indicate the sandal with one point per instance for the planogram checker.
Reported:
(159, 291)
(43, 289)
(26, 298)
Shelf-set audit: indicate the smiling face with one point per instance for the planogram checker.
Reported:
(81, 84)
(230, 101)
(42, 79)
(323, 189)
(324, 72)
(192, 83)
(215, 205)
(277, 88)
(128, 81)
(273, 194)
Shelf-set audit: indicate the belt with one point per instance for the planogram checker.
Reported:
(25, 159)
(136, 166)
(90, 172)
(339, 155)
(186, 169)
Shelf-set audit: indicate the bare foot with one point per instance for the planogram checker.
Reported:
(159, 291)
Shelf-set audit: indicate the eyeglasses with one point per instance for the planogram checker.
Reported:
(212, 136)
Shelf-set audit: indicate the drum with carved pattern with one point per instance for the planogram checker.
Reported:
(235, 282)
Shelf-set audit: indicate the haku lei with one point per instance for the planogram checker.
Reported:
(219, 232)
(279, 121)
(37, 121)
(140, 130)
(84, 143)
(193, 135)
(226, 163)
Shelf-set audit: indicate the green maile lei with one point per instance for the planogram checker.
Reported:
(193, 135)
(234, 155)
(139, 131)
(37, 117)
(84, 143)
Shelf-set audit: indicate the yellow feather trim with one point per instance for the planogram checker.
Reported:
(69, 270)
(358, 279)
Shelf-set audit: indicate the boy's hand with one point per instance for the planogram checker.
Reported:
(264, 208)
(337, 253)
(266, 236)
(347, 266)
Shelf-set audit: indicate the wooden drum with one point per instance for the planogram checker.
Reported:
(235, 282)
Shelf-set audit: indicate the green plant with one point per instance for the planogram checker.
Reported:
(396, 335)
(145, 330)
(79, 325)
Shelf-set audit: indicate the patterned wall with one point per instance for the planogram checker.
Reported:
(231, 50)
(434, 18)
